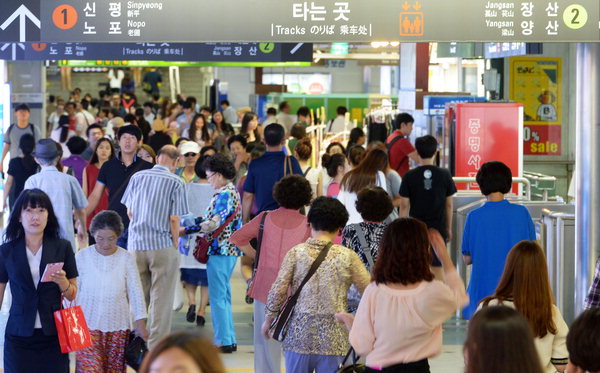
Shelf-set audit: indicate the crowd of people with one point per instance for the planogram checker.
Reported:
(163, 196)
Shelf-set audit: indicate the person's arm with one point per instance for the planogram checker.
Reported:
(241, 238)
(560, 355)
(466, 249)
(94, 198)
(362, 333)
(84, 183)
(449, 207)
(5, 149)
(7, 188)
(130, 215)
(174, 223)
(80, 216)
(414, 156)
(2, 289)
(319, 186)
(404, 207)
(247, 202)
(67, 287)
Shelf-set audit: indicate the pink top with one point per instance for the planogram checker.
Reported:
(333, 189)
(394, 326)
(284, 229)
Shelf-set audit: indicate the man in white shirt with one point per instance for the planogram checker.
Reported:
(84, 118)
(339, 123)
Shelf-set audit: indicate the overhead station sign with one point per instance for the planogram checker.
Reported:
(204, 52)
(299, 21)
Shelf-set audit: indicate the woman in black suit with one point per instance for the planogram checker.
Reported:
(31, 242)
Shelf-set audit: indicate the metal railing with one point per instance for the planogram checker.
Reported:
(519, 180)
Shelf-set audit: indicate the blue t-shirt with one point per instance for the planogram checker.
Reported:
(262, 175)
(490, 232)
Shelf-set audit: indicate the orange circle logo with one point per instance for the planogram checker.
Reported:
(64, 17)
(38, 46)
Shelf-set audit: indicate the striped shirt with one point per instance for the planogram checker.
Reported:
(153, 196)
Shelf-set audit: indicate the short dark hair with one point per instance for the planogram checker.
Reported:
(22, 107)
(298, 131)
(283, 105)
(274, 134)
(221, 164)
(76, 145)
(31, 198)
(341, 110)
(583, 340)
(130, 129)
(130, 118)
(85, 104)
(107, 219)
(327, 214)
(292, 192)
(426, 146)
(206, 149)
(225, 102)
(374, 204)
(92, 127)
(237, 138)
(303, 111)
(186, 105)
(494, 176)
(271, 111)
(199, 167)
(148, 104)
(402, 118)
(205, 108)
(404, 253)
(334, 144)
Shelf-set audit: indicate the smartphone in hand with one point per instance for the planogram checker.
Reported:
(51, 268)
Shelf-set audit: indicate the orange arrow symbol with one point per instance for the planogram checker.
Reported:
(417, 6)
(406, 6)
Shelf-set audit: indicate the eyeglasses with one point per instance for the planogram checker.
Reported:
(190, 154)
(211, 175)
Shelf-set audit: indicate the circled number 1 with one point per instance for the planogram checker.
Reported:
(64, 17)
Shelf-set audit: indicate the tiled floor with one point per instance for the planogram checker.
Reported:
(449, 361)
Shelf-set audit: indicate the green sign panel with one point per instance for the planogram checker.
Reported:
(339, 48)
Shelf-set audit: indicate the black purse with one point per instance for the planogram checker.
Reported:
(352, 368)
(135, 350)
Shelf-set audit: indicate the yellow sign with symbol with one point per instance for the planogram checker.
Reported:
(575, 16)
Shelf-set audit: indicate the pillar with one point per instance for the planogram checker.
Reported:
(587, 222)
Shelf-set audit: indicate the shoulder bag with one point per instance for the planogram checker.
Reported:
(389, 148)
(287, 165)
(279, 325)
(203, 244)
(257, 255)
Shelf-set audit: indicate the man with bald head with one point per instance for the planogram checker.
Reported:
(155, 199)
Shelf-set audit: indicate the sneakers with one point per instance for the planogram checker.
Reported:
(190, 316)
(200, 321)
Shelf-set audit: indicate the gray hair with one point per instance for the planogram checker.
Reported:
(107, 219)
(45, 162)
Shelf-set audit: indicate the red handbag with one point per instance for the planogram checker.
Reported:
(73, 332)
(203, 244)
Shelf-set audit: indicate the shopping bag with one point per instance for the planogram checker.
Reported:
(354, 367)
(73, 332)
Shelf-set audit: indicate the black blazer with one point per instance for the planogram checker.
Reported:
(26, 299)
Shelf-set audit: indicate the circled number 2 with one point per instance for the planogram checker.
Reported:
(64, 17)
(575, 16)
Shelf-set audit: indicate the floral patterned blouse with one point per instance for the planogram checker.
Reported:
(313, 328)
(373, 233)
(223, 204)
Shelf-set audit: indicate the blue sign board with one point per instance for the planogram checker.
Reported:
(190, 52)
(436, 105)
